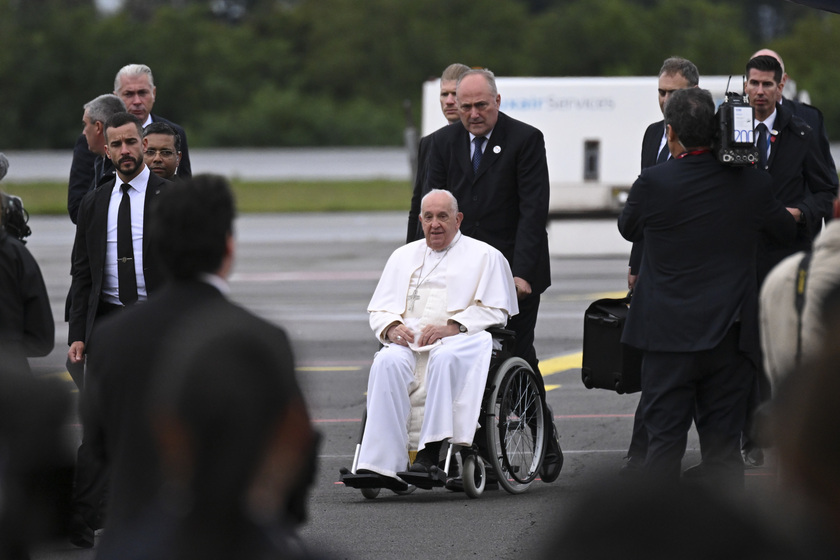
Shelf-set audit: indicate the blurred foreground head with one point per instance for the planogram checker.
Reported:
(643, 519)
(191, 227)
(237, 444)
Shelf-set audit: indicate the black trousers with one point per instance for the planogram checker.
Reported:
(715, 383)
(523, 324)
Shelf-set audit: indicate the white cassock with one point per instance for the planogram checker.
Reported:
(470, 283)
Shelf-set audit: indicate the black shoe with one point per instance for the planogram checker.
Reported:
(696, 471)
(631, 467)
(753, 457)
(426, 458)
(81, 534)
(553, 460)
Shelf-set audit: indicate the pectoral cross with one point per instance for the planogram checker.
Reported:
(412, 298)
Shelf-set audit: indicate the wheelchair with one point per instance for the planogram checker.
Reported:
(508, 446)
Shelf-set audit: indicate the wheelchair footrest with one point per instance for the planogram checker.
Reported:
(425, 480)
(372, 480)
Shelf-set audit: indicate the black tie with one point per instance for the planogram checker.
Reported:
(476, 160)
(761, 144)
(125, 251)
(663, 154)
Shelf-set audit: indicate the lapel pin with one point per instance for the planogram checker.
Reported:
(497, 149)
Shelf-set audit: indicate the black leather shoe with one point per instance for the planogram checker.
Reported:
(81, 534)
(753, 457)
(426, 458)
(553, 461)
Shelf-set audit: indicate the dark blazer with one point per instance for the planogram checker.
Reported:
(184, 168)
(650, 152)
(89, 260)
(81, 176)
(119, 383)
(650, 143)
(801, 179)
(84, 176)
(701, 221)
(814, 118)
(505, 204)
(415, 231)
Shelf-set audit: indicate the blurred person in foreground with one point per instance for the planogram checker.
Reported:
(191, 230)
(26, 321)
(695, 306)
(236, 442)
(805, 425)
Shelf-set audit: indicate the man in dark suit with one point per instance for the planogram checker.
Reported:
(807, 113)
(191, 229)
(449, 107)
(91, 167)
(133, 84)
(163, 150)
(676, 74)
(113, 268)
(496, 167)
(801, 181)
(694, 313)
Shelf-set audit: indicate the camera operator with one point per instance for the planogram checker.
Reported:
(694, 312)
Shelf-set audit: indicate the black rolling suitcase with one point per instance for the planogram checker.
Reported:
(607, 363)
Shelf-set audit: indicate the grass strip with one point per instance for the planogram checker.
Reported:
(257, 196)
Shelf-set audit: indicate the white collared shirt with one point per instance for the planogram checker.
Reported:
(769, 122)
(137, 196)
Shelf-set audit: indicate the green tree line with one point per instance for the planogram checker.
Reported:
(337, 72)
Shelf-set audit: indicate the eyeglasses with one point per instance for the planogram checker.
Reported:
(166, 154)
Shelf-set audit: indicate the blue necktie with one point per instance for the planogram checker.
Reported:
(761, 144)
(476, 160)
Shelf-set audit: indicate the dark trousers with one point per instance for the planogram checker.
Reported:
(713, 382)
(523, 324)
(90, 482)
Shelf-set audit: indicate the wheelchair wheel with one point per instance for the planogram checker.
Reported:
(370, 493)
(515, 426)
(474, 476)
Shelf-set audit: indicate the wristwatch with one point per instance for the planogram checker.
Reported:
(462, 328)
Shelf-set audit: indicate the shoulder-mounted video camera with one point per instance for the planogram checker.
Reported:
(735, 134)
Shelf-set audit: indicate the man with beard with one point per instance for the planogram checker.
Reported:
(112, 269)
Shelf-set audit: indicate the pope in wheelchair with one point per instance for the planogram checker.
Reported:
(434, 300)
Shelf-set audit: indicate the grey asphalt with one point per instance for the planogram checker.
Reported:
(313, 274)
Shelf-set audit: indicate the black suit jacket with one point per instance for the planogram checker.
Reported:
(505, 204)
(801, 179)
(84, 176)
(701, 221)
(814, 118)
(89, 260)
(119, 388)
(650, 152)
(415, 231)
